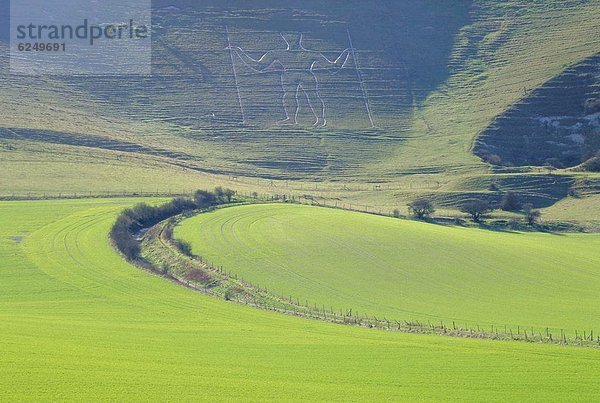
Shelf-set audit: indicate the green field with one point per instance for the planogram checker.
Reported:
(406, 270)
(79, 323)
(469, 100)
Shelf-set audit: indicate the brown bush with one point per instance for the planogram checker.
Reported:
(198, 276)
(510, 202)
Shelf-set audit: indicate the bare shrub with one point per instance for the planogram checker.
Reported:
(197, 276)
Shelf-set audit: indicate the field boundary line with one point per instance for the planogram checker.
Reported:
(217, 282)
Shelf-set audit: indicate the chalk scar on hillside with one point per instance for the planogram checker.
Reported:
(297, 66)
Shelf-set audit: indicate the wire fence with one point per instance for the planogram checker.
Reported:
(267, 300)
(90, 195)
(293, 306)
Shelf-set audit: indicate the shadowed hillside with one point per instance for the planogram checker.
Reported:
(557, 124)
(190, 103)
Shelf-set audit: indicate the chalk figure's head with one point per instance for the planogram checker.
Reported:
(293, 40)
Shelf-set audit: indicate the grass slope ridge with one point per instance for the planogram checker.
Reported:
(406, 270)
(557, 124)
(79, 323)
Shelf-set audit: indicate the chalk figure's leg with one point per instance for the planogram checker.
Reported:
(289, 99)
(310, 86)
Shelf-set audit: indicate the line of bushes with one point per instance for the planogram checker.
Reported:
(131, 221)
(477, 209)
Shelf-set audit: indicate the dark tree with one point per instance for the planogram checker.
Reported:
(181, 204)
(228, 194)
(477, 209)
(204, 199)
(532, 215)
(421, 208)
(223, 195)
(510, 202)
(220, 194)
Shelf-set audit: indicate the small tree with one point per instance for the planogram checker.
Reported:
(220, 194)
(228, 193)
(421, 208)
(510, 202)
(396, 213)
(532, 215)
(182, 204)
(477, 209)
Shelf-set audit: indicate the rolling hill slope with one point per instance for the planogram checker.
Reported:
(435, 77)
(78, 323)
(405, 270)
(429, 92)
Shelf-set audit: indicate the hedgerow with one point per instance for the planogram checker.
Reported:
(130, 222)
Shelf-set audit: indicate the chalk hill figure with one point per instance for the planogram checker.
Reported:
(297, 66)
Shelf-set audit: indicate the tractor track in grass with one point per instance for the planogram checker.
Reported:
(69, 243)
(239, 220)
(267, 256)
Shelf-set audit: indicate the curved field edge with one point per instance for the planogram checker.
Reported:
(80, 323)
(406, 270)
(172, 259)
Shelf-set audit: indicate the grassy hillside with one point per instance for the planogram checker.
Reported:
(405, 270)
(508, 49)
(80, 324)
(436, 76)
(189, 105)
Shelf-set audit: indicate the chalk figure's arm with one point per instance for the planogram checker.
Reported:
(339, 62)
(259, 65)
